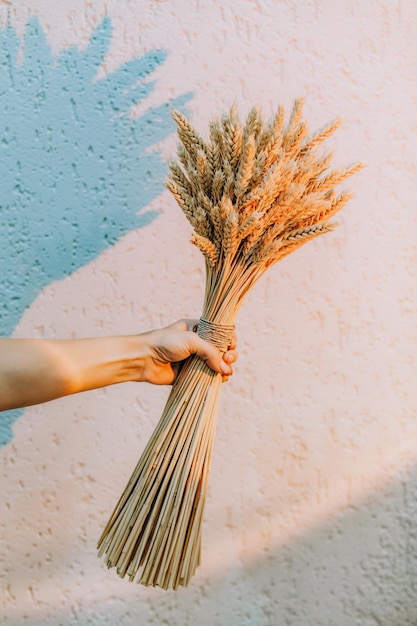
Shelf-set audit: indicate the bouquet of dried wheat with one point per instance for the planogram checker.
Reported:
(253, 194)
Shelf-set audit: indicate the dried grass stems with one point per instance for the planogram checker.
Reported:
(253, 193)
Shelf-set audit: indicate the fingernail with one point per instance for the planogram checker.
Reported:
(224, 368)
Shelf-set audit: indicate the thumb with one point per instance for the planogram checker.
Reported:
(210, 354)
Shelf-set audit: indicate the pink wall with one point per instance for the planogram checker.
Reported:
(312, 508)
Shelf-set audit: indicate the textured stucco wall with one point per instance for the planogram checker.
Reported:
(312, 514)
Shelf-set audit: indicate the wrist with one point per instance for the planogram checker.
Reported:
(136, 353)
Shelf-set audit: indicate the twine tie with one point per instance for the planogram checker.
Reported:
(220, 335)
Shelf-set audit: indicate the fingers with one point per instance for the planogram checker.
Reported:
(233, 341)
(208, 353)
(231, 355)
(222, 364)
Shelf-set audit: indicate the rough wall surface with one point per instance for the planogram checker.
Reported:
(312, 514)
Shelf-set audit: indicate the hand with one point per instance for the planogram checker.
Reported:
(171, 345)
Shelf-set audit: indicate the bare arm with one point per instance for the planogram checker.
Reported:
(39, 370)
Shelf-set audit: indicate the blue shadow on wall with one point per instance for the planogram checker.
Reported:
(75, 166)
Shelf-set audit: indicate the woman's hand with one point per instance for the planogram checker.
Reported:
(169, 346)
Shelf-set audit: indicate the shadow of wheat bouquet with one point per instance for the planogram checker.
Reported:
(253, 193)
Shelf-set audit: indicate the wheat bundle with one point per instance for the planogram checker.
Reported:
(253, 194)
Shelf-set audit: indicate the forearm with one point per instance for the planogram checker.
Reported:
(34, 371)
(39, 370)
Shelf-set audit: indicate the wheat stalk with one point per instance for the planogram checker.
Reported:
(253, 194)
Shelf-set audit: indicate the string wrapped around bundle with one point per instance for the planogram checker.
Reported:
(253, 194)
